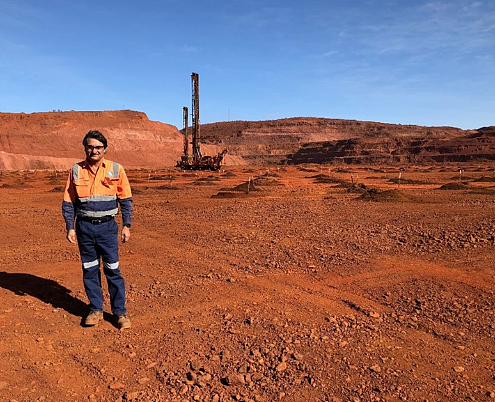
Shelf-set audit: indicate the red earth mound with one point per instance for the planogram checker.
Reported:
(53, 139)
(320, 140)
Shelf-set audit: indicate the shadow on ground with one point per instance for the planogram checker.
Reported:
(46, 290)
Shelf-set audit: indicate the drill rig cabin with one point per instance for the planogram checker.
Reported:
(196, 161)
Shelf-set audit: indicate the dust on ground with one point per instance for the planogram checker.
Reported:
(302, 291)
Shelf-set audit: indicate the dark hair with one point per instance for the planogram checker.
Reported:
(95, 134)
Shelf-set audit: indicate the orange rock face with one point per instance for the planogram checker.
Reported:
(319, 140)
(53, 139)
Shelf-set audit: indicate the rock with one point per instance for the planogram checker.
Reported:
(129, 396)
(297, 356)
(458, 369)
(233, 379)
(116, 385)
(203, 379)
(243, 369)
(225, 354)
(191, 376)
(256, 376)
(281, 367)
(376, 368)
(183, 390)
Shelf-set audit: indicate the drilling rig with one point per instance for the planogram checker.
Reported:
(196, 161)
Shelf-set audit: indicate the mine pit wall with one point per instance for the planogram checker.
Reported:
(392, 160)
(315, 140)
(9, 161)
(258, 154)
(258, 149)
(397, 150)
(313, 129)
(133, 139)
(137, 142)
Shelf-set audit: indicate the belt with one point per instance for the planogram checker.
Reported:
(95, 221)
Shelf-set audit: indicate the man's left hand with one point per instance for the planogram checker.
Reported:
(126, 234)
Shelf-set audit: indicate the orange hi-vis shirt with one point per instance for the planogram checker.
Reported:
(96, 194)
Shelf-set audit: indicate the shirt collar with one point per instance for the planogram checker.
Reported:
(86, 165)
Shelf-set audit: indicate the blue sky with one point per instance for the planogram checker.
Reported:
(410, 62)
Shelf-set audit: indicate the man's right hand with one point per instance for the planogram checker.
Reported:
(71, 236)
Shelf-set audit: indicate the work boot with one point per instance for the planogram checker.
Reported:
(93, 318)
(123, 321)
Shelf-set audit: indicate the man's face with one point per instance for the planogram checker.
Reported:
(94, 151)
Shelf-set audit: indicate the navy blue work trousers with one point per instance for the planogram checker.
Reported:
(100, 241)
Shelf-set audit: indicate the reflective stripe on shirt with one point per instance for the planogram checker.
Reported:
(97, 214)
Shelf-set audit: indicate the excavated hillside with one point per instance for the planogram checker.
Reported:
(53, 139)
(478, 146)
(319, 140)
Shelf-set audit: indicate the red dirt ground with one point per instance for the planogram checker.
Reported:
(309, 284)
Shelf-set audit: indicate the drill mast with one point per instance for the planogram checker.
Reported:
(196, 161)
(195, 117)
(185, 117)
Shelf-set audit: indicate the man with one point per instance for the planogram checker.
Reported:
(95, 188)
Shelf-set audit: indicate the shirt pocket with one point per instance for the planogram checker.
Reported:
(82, 187)
(110, 182)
